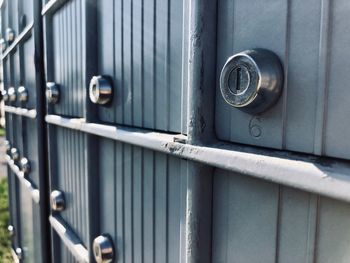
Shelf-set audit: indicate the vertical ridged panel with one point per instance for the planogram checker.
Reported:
(28, 66)
(143, 197)
(337, 128)
(12, 181)
(245, 213)
(258, 221)
(69, 72)
(30, 227)
(311, 41)
(15, 74)
(141, 47)
(333, 232)
(72, 179)
(13, 15)
(15, 56)
(297, 226)
(31, 149)
(17, 129)
(27, 10)
(4, 18)
(14, 205)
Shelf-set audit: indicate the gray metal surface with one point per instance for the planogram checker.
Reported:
(142, 202)
(141, 46)
(280, 224)
(30, 229)
(156, 168)
(66, 63)
(310, 39)
(72, 181)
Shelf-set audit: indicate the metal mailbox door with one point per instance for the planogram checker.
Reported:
(310, 115)
(142, 46)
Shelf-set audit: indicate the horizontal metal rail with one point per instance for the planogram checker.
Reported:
(34, 192)
(52, 6)
(69, 238)
(21, 111)
(329, 177)
(24, 35)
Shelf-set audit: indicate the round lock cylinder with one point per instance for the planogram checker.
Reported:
(52, 92)
(252, 80)
(10, 35)
(23, 94)
(101, 90)
(25, 165)
(57, 201)
(14, 154)
(19, 253)
(103, 249)
(7, 145)
(5, 96)
(12, 94)
(11, 230)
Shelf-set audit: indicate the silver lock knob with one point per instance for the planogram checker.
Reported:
(252, 80)
(3, 44)
(11, 230)
(52, 92)
(7, 145)
(14, 154)
(19, 253)
(5, 96)
(23, 94)
(25, 165)
(103, 249)
(100, 90)
(57, 201)
(10, 35)
(12, 94)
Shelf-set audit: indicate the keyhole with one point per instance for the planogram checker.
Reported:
(239, 80)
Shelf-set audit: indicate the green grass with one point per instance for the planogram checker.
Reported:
(2, 131)
(5, 243)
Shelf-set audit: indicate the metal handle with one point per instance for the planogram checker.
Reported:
(5, 95)
(7, 145)
(103, 249)
(52, 92)
(100, 90)
(3, 44)
(10, 35)
(12, 94)
(23, 94)
(57, 201)
(11, 230)
(252, 80)
(19, 253)
(25, 165)
(14, 154)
